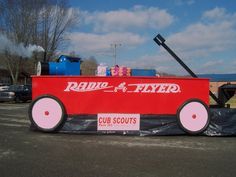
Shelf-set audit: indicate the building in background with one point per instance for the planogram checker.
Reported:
(217, 80)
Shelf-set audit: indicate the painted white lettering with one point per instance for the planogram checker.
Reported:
(101, 85)
(91, 85)
(154, 87)
(104, 84)
(146, 88)
(139, 87)
(162, 88)
(82, 85)
(86, 86)
(174, 88)
(71, 86)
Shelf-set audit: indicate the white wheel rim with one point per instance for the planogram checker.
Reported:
(193, 116)
(39, 69)
(47, 113)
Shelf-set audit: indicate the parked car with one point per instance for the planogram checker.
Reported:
(3, 87)
(16, 93)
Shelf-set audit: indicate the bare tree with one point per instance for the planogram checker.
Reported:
(19, 19)
(55, 21)
(13, 64)
(40, 22)
(16, 25)
(89, 66)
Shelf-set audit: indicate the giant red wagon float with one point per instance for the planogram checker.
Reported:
(119, 103)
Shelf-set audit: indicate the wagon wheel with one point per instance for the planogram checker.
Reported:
(193, 116)
(47, 113)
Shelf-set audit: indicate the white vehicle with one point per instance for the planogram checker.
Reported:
(3, 87)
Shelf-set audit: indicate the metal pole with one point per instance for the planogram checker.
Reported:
(114, 50)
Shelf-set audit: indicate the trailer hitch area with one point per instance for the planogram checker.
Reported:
(226, 92)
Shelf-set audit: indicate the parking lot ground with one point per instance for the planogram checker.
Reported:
(24, 153)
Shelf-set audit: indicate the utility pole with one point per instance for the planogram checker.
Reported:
(114, 46)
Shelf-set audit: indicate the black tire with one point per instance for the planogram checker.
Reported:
(193, 116)
(17, 99)
(44, 117)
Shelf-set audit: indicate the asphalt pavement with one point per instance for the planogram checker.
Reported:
(25, 153)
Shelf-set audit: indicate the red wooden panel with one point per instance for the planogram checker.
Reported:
(142, 95)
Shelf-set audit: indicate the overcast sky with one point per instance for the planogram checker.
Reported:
(201, 32)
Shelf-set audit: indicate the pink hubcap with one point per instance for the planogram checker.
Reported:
(47, 113)
(193, 116)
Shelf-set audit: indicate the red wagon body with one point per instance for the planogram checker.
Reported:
(57, 97)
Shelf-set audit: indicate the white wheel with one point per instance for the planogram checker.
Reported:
(39, 69)
(47, 113)
(193, 116)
